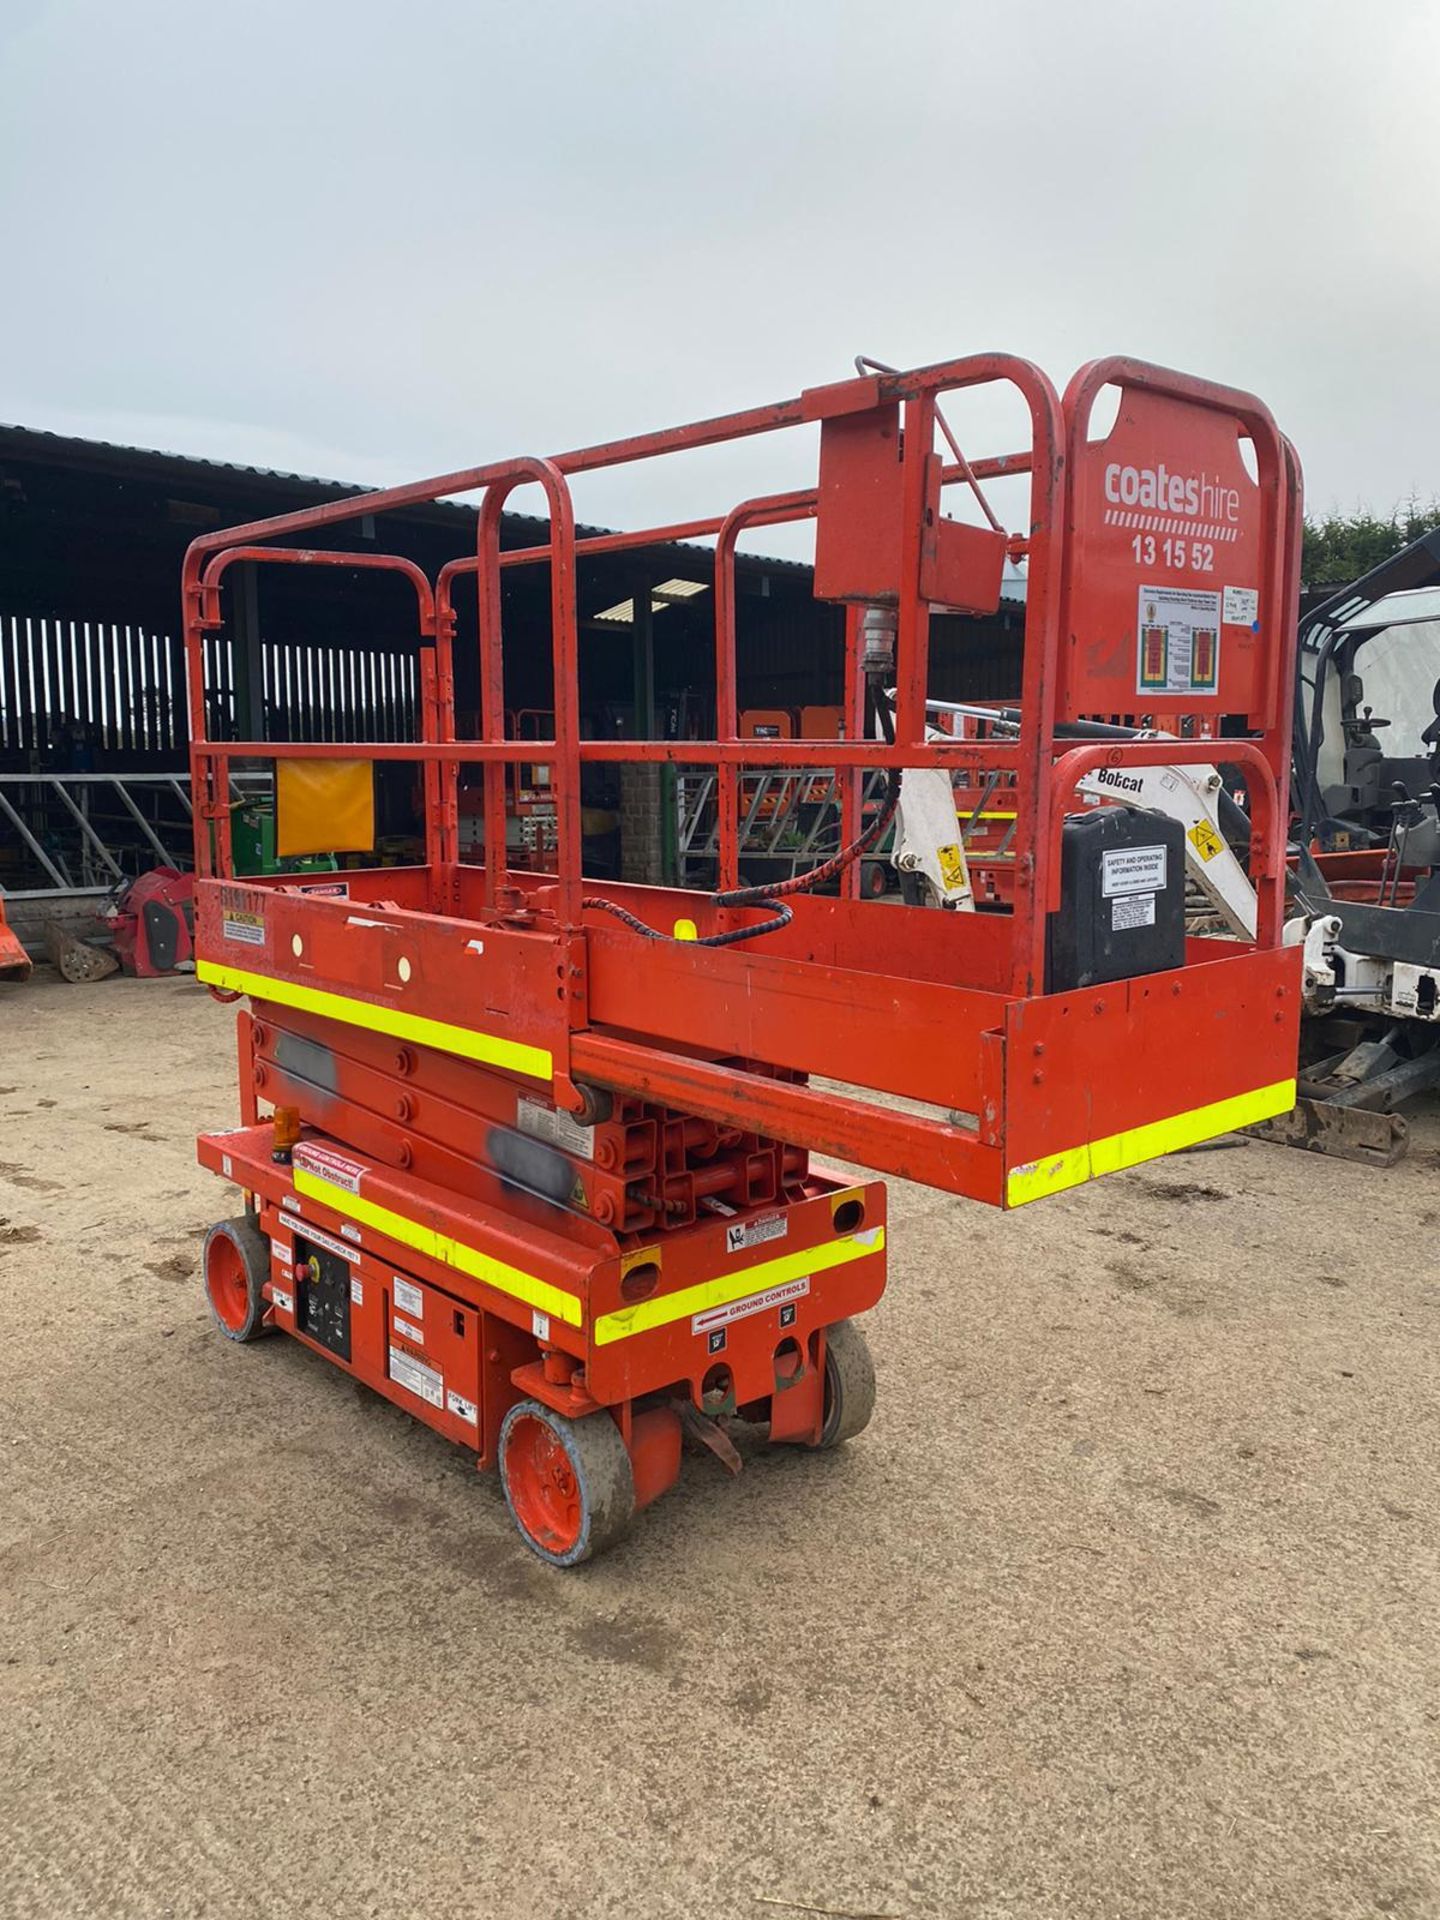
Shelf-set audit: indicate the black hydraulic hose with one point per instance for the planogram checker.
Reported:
(799, 883)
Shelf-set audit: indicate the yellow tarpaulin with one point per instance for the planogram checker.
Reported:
(324, 806)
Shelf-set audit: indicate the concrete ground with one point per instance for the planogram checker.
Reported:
(1124, 1606)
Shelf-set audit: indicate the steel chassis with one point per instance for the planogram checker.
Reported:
(566, 1169)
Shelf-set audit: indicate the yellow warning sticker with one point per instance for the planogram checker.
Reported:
(952, 866)
(1205, 840)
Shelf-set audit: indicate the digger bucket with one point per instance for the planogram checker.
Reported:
(14, 961)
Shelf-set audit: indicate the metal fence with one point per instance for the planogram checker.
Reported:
(79, 695)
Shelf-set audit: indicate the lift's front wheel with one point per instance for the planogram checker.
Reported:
(568, 1483)
(849, 1384)
(237, 1265)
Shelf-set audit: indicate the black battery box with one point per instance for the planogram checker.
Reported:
(1122, 898)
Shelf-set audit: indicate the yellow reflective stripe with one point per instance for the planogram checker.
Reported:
(660, 1310)
(1072, 1166)
(439, 1246)
(466, 1041)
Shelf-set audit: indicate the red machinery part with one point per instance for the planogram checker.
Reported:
(151, 922)
(553, 1173)
(14, 960)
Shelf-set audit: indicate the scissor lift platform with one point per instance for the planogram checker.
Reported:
(538, 1156)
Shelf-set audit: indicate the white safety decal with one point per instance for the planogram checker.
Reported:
(752, 1303)
(408, 1298)
(462, 1408)
(328, 1241)
(1132, 870)
(408, 1330)
(284, 1301)
(754, 1233)
(560, 1129)
(1132, 910)
(412, 1374)
(336, 1169)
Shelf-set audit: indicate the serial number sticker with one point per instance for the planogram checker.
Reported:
(284, 1301)
(559, 1129)
(1132, 870)
(462, 1408)
(335, 1169)
(357, 1291)
(754, 1233)
(408, 1298)
(1178, 641)
(714, 1317)
(412, 1374)
(1132, 910)
(246, 929)
(408, 1330)
(1241, 607)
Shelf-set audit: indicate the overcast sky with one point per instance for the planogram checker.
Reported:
(381, 238)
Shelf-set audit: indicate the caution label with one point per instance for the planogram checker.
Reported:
(1205, 840)
(952, 866)
(754, 1233)
(245, 929)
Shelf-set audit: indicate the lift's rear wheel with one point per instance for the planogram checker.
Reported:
(568, 1483)
(237, 1265)
(849, 1384)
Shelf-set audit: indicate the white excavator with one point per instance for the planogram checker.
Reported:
(930, 842)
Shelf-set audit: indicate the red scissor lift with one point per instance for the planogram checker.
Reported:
(540, 1163)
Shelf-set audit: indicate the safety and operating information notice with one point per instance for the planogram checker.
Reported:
(1179, 641)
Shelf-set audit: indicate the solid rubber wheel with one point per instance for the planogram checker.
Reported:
(237, 1265)
(568, 1483)
(849, 1384)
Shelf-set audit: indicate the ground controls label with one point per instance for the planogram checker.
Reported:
(560, 1129)
(248, 929)
(754, 1233)
(1132, 910)
(408, 1298)
(336, 1169)
(412, 1374)
(1179, 641)
(462, 1408)
(752, 1303)
(1241, 606)
(1132, 870)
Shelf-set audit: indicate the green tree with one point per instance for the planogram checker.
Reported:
(1341, 546)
